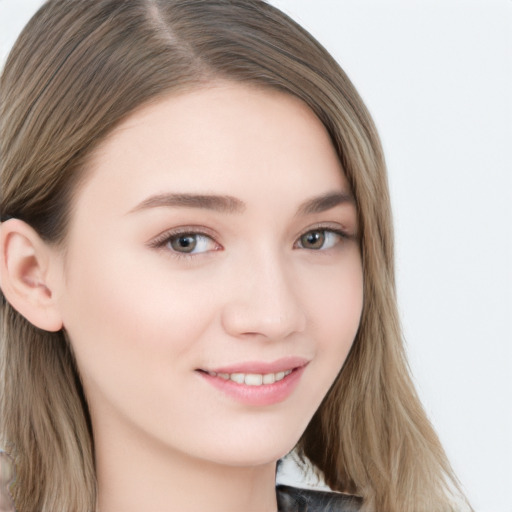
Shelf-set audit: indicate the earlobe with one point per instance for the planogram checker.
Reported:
(25, 261)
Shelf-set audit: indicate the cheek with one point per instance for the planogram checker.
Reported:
(130, 316)
(335, 310)
(336, 304)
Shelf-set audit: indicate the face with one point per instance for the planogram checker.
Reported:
(212, 281)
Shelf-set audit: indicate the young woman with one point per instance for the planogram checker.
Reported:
(197, 270)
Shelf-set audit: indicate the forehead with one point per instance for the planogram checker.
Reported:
(226, 138)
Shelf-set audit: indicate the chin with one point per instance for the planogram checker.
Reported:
(258, 451)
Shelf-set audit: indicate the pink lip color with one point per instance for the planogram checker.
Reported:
(267, 394)
(281, 365)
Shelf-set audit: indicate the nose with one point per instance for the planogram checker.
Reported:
(264, 301)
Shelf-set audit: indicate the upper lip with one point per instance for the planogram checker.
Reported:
(262, 367)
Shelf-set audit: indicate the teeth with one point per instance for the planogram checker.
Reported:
(269, 378)
(239, 378)
(252, 379)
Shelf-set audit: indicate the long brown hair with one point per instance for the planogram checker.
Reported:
(77, 70)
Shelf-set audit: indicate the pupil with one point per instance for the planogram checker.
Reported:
(184, 243)
(314, 240)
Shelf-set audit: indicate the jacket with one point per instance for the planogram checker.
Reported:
(293, 499)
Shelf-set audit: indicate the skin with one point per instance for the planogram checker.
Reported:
(143, 318)
(6, 477)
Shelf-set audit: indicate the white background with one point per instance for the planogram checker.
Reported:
(437, 77)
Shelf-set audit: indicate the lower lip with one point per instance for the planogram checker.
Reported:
(266, 394)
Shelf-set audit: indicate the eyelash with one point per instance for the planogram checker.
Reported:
(166, 238)
(163, 240)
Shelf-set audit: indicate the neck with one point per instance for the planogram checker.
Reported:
(138, 475)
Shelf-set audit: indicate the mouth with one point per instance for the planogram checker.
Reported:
(257, 383)
(252, 379)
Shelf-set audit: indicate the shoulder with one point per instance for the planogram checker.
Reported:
(293, 499)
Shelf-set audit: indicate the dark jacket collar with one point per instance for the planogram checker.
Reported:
(293, 499)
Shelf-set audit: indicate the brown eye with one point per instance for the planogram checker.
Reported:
(183, 243)
(320, 239)
(313, 240)
(186, 243)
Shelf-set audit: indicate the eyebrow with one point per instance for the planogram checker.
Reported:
(229, 204)
(325, 202)
(219, 203)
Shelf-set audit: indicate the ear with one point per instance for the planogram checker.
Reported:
(25, 277)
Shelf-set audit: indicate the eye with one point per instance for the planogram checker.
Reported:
(191, 243)
(319, 239)
(185, 242)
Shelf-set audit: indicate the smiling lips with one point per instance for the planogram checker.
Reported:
(258, 384)
(252, 379)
